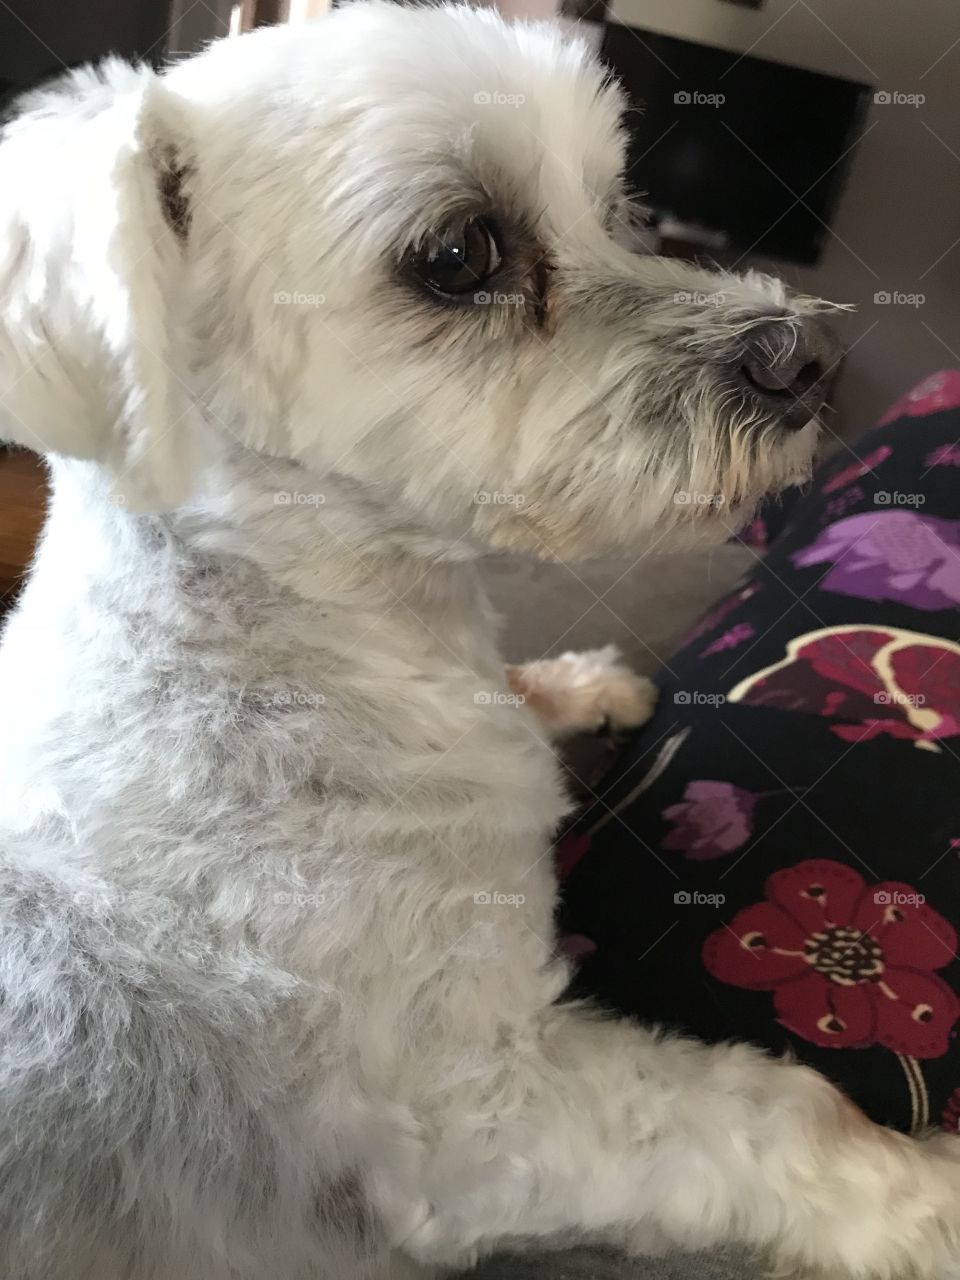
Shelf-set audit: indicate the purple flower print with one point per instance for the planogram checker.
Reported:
(842, 503)
(717, 615)
(945, 455)
(730, 639)
(893, 555)
(754, 535)
(712, 819)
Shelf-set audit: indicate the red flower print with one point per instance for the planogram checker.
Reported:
(567, 853)
(577, 947)
(935, 393)
(945, 455)
(849, 965)
(730, 639)
(879, 680)
(857, 470)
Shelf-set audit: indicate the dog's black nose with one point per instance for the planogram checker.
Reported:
(789, 365)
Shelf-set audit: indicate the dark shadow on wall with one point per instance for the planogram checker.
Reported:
(41, 38)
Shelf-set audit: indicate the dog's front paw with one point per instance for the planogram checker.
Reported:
(584, 692)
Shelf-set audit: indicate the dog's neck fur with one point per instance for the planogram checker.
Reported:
(272, 557)
(329, 542)
(296, 610)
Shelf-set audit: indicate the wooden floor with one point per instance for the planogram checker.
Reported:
(23, 494)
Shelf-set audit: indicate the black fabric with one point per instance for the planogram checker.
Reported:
(602, 1264)
(812, 816)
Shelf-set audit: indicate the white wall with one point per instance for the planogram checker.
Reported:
(898, 223)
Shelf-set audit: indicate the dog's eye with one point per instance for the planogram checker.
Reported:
(459, 258)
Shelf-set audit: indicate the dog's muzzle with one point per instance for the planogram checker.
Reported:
(789, 367)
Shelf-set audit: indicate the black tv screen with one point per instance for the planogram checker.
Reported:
(753, 151)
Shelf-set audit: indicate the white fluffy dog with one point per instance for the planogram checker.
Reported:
(306, 325)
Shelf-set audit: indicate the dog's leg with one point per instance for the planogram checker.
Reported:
(583, 692)
(607, 1130)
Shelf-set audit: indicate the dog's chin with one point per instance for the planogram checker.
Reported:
(685, 524)
(572, 517)
(711, 508)
(786, 457)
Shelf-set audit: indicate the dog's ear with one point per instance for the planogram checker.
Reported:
(94, 225)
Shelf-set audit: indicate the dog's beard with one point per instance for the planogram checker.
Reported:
(559, 520)
(681, 464)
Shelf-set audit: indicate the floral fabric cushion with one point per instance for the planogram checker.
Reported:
(776, 856)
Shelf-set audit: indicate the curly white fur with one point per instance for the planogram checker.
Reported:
(276, 949)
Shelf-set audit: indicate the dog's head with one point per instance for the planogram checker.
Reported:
(388, 246)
